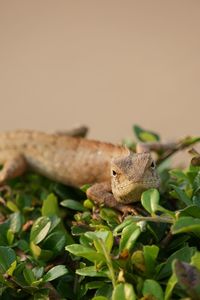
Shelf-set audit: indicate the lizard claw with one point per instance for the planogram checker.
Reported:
(127, 209)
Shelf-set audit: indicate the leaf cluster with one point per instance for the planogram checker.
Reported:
(56, 244)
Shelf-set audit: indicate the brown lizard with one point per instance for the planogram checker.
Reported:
(117, 175)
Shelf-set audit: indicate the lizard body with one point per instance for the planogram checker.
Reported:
(76, 161)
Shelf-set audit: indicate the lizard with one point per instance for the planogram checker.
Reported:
(117, 176)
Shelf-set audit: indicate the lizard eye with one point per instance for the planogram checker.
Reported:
(153, 165)
(114, 173)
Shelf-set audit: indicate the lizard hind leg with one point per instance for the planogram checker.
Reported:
(13, 165)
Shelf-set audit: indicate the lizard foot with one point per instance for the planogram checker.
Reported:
(126, 209)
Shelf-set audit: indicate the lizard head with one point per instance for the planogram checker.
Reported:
(131, 175)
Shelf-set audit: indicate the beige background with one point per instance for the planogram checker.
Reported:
(108, 64)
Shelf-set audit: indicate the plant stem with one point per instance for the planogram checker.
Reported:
(109, 263)
(155, 219)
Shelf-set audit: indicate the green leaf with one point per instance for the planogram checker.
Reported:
(86, 252)
(182, 195)
(129, 235)
(12, 206)
(192, 211)
(150, 255)
(92, 271)
(127, 221)
(145, 135)
(15, 222)
(186, 224)
(36, 250)
(72, 204)
(152, 288)
(40, 229)
(29, 275)
(50, 206)
(170, 286)
(7, 257)
(195, 261)
(196, 183)
(150, 200)
(10, 236)
(12, 268)
(190, 140)
(124, 291)
(92, 285)
(88, 204)
(179, 175)
(38, 272)
(184, 254)
(100, 237)
(109, 215)
(55, 242)
(55, 272)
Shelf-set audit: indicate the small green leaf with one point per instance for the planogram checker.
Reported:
(170, 286)
(92, 271)
(186, 224)
(184, 254)
(195, 261)
(152, 288)
(109, 215)
(130, 233)
(178, 175)
(138, 261)
(182, 195)
(36, 250)
(12, 206)
(145, 135)
(196, 183)
(55, 272)
(85, 187)
(12, 268)
(7, 257)
(29, 275)
(127, 221)
(150, 255)
(40, 229)
(100, 237)
(190, 140)
(50, 206)
(124, 291)
(72, 204)
(192, 211)
(88, 204)
(10, 236)
(38, 272)
(55, 241)
(150, 200)
(86, 252)
(15, 222)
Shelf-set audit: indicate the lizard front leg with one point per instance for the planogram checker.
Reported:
(101, 194)
(14, 165)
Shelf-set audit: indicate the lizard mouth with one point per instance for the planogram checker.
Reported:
(149, 183)
(131, 192)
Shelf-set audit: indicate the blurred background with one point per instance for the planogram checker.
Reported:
(106, 64)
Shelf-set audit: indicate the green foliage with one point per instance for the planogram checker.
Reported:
(145, 135)
(56, 244)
